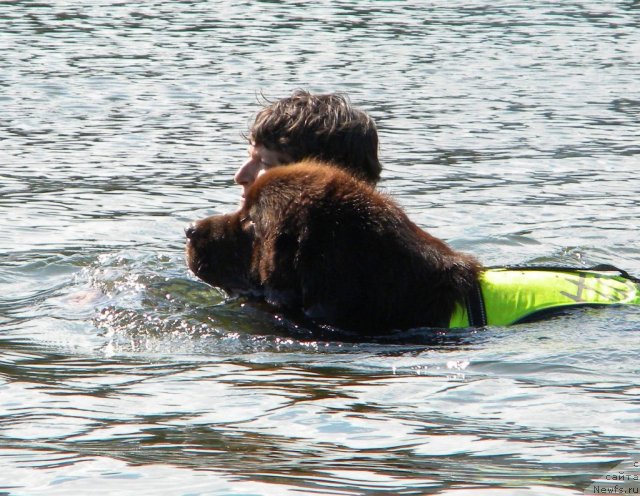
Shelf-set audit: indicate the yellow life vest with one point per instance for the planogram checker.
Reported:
(511, 295)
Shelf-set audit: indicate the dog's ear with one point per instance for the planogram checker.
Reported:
(263, 208)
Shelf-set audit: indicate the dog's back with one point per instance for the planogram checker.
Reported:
(348, 255)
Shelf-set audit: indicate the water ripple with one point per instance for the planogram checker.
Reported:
(510, 131)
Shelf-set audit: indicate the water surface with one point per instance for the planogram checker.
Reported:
(509, 130)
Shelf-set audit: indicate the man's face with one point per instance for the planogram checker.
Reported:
(260, 159)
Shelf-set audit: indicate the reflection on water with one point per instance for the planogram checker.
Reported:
(510, 130)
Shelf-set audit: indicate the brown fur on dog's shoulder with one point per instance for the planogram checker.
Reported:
(312, 237)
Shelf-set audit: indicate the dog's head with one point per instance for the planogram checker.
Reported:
(219, 251)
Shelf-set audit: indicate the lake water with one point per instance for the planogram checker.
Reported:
(512, 130)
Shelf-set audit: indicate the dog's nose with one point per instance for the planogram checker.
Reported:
(190, 231)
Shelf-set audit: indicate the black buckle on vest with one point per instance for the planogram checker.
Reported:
(475, 307)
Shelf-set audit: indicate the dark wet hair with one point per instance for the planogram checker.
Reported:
(325, 127)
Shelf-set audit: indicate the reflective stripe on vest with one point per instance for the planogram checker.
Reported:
(511, 295)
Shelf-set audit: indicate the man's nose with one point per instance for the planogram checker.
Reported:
(246, 174)
(241, 176)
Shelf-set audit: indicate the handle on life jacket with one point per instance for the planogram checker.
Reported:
(511, 294)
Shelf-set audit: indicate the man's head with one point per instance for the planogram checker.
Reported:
(306, 126)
